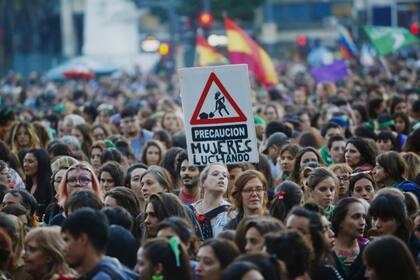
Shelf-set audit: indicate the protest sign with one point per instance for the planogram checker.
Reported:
(219, 122)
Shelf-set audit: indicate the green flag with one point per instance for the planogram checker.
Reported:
(387, 40)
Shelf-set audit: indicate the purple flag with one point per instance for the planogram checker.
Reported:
(331, 72)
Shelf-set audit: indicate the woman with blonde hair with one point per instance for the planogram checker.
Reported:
(44, 253)
(23, 136)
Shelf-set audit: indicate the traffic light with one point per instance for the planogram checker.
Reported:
(206, 19)
(164, 49)
(414, 28)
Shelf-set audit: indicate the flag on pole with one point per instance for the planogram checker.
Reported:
(207, 55)
(330, 72)
(243, 49)
(347, 46)
(387, 40)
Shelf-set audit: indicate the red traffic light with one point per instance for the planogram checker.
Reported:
(414, 28)
(301, 40)
(206, 19)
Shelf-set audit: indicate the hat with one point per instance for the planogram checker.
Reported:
(277, 138)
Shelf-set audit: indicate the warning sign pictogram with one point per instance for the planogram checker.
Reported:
(220, 112)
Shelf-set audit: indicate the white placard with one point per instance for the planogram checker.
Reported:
(219, 122)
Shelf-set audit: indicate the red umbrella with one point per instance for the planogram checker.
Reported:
(79, 73)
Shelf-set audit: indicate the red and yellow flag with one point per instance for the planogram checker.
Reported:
(207, 55)
(242, 49)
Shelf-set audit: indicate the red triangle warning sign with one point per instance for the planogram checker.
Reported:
(220, 106)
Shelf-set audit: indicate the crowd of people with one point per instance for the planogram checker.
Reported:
(95, 181)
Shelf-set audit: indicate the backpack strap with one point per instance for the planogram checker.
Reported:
(204, 221)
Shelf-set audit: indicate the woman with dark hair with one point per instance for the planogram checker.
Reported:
(402, 123)
(99, 132)
(152, 153)
(177, 226)
(10, 158)
(249, 196)
(287, 159)
(376, 106)
(164, 137)
(159, 207)
(309, 223)
(389, 169)
(25, 199)
(250, 232)
(163, 259)
(363, 186)
(386, 141)
(268, 266)
(348, 223)
(306, 155)
(213, 257)
(82, 133)
(360, 115)
(292, 248)
(242, 270)
(398, 105)
(287, 195)
(388, 258)
(123, 197)
(169, 162)
(311, 138)
(96, 152)
(110, 175)
(133, 181)
(389, 216)
(37, 168)
(359, 155)
(112, 154)
(263, 166)
(155, 180)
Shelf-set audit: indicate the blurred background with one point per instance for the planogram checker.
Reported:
(145, 35)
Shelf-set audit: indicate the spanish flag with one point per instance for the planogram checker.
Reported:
(242, 49)
(207, 55)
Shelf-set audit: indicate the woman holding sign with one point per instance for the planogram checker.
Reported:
(211, 212)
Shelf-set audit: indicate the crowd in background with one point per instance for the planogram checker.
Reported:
(95, 181)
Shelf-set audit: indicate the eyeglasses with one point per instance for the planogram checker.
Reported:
(5, 172)
(343, 178)
(251, 190)
(83, 180)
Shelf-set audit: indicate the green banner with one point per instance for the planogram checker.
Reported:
(388, 40)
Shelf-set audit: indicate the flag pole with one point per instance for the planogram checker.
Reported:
(385, 65)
